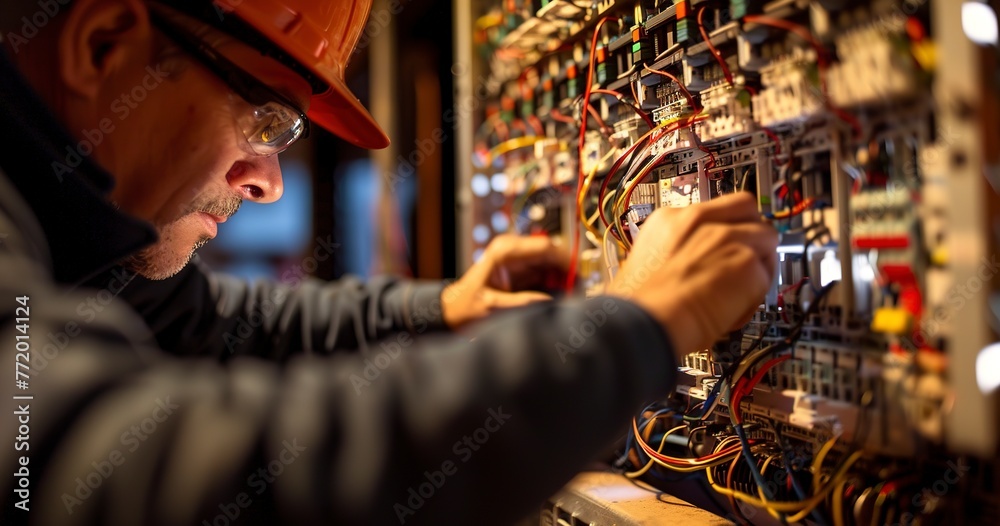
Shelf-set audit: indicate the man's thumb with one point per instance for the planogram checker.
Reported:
(510, 300)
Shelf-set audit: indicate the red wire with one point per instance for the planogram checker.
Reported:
(786, 290)
(669, 460)
(715, 52)
(537, 125)
(575, 231)
(711, 156)
(743, 387)
(775, 139)
(654, 164)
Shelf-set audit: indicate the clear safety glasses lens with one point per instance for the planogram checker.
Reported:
(273, 128)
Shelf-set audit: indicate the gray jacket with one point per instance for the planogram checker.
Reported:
(207, 400)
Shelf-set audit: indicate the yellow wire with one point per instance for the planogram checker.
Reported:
(511, 145)
(621, 204)
(641, 472)
(489, 20)
(597, 214)
(760, 490)
(802, 508)
(837, 479)
(604, 253)
(518, 205)
(582, 194)
(838, 504)
(694, 469)
(817, 465)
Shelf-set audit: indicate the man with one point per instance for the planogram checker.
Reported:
(130, 129)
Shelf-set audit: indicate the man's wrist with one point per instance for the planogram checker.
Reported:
(424, 307)
(679, 324)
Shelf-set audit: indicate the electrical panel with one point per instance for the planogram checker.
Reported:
(863, 391)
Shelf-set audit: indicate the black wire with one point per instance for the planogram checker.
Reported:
(796, 332)
(813, 309)
(804, 262)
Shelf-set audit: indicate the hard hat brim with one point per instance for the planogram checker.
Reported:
(341, 113)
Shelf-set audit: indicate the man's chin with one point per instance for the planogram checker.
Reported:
(159, 262)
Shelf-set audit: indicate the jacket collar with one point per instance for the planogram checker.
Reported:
(67, 190)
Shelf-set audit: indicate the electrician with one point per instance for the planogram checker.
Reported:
(162, 393)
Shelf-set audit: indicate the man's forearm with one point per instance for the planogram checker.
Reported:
(325, 441)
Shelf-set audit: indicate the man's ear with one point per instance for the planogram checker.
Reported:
(99, 38)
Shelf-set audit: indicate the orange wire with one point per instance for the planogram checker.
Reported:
(560, 117)
(600, 122)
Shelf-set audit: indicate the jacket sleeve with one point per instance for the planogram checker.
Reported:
(200, 312)
(449, 432)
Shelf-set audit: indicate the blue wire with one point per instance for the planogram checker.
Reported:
(798, 487)
(712, 395)
(629, 440)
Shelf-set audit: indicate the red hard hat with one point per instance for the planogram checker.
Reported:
(320, 35)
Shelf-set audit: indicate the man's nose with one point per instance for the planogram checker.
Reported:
(257, 179)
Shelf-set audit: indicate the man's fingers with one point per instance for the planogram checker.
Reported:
(759, 237)
(529, 251)
(683, 223)
(731, 208)
(510, 300)
(756, 280)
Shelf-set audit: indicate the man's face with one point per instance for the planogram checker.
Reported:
(179, 157)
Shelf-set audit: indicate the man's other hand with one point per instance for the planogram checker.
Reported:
(510, 274)
(701, 271)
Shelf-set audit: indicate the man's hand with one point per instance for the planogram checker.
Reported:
(508, 275)
(701, 271)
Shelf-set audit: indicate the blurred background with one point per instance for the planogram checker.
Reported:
(352, 211)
